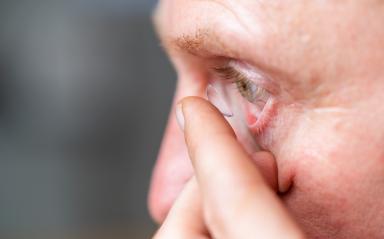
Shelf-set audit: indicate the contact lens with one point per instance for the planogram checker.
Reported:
(223, 99)
(219, 101)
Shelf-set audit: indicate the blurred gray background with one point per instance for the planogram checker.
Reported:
(85, 90)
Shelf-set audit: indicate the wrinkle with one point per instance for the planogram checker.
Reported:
(229, 6)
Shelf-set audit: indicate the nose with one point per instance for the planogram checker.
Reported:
(172, 170)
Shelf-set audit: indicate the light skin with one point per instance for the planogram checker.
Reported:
(229, 198)
(325, 133)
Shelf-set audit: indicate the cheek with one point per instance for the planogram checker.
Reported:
(337, 174)
(329, 200)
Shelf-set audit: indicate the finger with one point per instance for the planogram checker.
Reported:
(232, 188)
(185, 219)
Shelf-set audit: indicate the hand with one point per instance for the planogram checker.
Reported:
(228, 197)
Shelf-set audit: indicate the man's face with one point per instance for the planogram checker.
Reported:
(326, 130)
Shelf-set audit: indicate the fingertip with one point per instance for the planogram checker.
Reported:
(193, 105)
(198, 113)
(191, 101)
(203, 125)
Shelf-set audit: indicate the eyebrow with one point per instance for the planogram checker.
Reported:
(192, 43)
(200, 42)
(207, 42)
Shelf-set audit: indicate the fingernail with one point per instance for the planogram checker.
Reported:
(180, 116)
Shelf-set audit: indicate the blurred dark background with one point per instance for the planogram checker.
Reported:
(85, 90)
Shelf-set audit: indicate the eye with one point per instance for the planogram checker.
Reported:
(246, 95)
(250, 91)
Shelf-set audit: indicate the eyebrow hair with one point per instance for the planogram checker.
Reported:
(203, 41)
(191, 43)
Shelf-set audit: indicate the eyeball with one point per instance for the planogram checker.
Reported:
(254, 99)
(220, 96)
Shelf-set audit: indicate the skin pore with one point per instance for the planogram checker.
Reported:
(326, 130)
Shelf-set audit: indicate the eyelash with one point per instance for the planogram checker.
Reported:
(260, 103)
(247, 88)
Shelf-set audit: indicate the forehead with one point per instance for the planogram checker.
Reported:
(237, 26)
(249, 10)
(259, 18)
(279, 33)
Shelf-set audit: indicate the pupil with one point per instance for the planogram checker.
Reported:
(243, 86)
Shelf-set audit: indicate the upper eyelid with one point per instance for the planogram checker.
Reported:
(230, 73)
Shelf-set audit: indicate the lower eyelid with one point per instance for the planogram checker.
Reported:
(257, 118)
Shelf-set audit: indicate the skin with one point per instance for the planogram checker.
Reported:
(206, 208)
(326, 136)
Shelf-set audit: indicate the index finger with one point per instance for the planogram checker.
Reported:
(232, 187)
